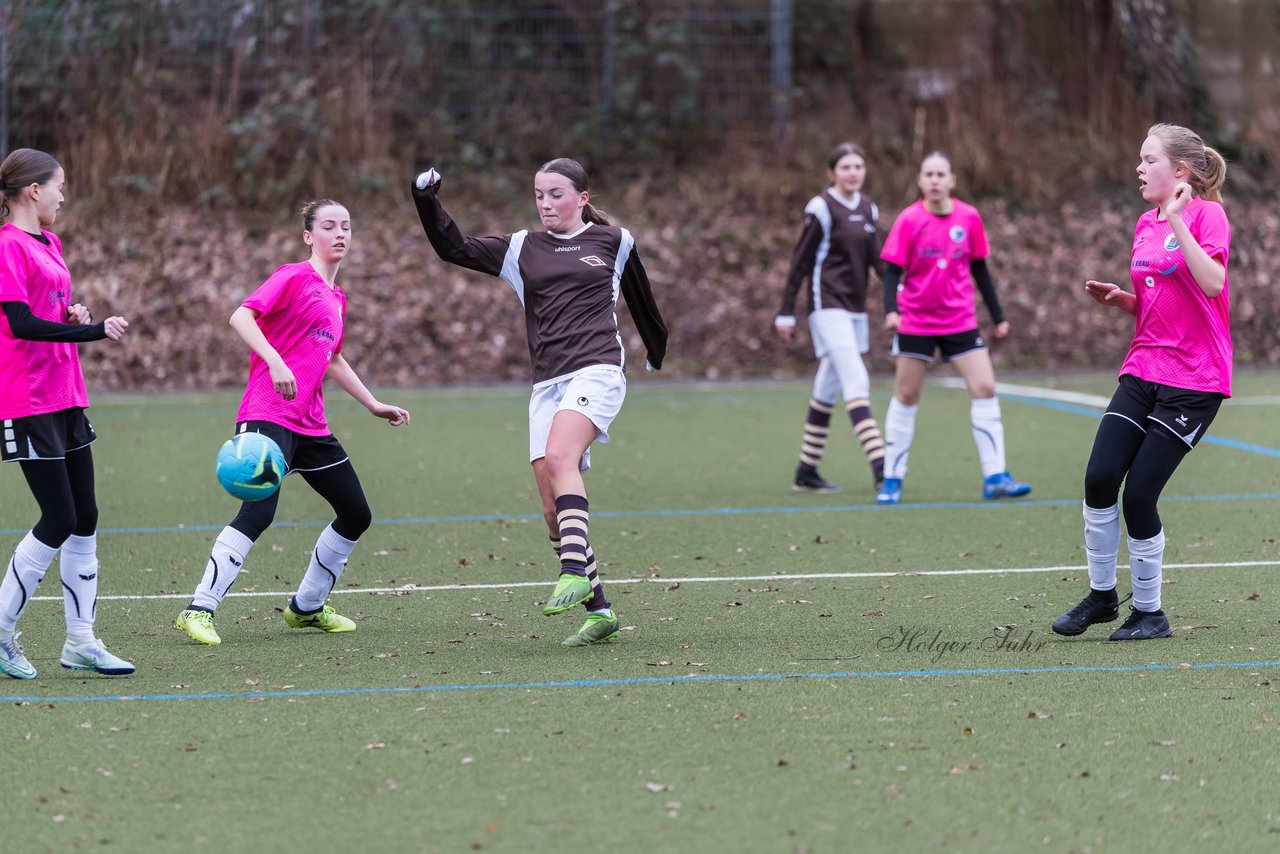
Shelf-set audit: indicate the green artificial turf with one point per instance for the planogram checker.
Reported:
(796, 672)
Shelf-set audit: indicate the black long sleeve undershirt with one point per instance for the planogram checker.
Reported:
(28, 327)
(981, 277)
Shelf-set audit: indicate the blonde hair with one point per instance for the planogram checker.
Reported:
(1208, 168)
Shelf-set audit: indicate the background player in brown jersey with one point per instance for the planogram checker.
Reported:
(838, 246)
(568, 278)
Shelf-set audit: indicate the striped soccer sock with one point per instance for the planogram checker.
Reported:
(571, 519)
(868, 433)
(817, 426)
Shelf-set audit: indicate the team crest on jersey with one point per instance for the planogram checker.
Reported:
(593, 260)
(957, 233)
(1170, 243)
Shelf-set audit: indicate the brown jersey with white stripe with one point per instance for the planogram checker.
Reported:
(568, 284)
(839, 245)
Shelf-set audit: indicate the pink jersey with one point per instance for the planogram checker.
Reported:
(936, 293)
(36, 376)
(302, 317)
(1183, 338)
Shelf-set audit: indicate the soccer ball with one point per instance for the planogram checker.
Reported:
(250, 466)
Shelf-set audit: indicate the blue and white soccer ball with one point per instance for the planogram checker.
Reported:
(250, 466)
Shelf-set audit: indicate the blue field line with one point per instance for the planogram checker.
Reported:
(693, 511)
(648, 680)
(1094, 412)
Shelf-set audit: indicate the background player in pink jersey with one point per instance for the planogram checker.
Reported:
(293, 325)
(568, 278)
(838, 247)
(42, 403)
(933, 249)
(1172, 382)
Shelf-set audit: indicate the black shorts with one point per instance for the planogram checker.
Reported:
(924, 346)
(46, 437)
(1184, 413)
(301, 453)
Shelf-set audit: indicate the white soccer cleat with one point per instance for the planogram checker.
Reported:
(93, 656)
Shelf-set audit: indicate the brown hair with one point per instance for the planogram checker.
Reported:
(22, 168)
(842, 151)
(577, 176)
(308, 211)
(937, 153)
(1208, 167)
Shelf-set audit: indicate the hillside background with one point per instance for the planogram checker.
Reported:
(191, 132)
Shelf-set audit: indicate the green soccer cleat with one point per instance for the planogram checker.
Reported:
(326, 619)
(599, 628)
(571, 591)
(199, 626)
(93, 656)
(13, 662)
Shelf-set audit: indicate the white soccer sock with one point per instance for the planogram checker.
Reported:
(899, 431)
(988, 435)
(1146, 562)
(28, 565)
(78, 565)
(328, 559)
(1101, 545)
(225, 560)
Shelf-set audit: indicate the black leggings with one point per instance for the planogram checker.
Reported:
(64, 491)
(1144, 462)
(338, 485)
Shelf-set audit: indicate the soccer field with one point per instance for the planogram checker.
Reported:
(796, 672)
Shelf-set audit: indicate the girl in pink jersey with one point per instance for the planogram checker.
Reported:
(1172, 382)
(568, 278)
(839, 246)
(935, 246)
(293, 325)
(42, 404)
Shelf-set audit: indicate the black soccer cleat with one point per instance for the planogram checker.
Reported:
(1100, 606)
(1143, 625)
(811, 481)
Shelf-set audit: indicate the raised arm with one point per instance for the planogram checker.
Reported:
(482, 254)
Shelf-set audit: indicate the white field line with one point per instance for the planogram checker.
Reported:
(708, 579)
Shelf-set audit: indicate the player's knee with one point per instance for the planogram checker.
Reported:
(354, 519)
(86, 521)
(982, 389)
(561, 461)
(253, 519)
(54, 532)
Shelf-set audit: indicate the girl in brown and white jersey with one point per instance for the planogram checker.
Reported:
(839, 246)
(568, 278)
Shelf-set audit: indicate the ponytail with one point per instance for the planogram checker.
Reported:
(1215, 175)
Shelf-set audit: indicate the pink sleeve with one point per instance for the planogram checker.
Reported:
(272, 294)
(896, 245)
(1213, 232)
(978, 248)
(13, 273)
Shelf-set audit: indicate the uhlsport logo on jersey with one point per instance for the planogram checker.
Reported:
(1170, 243)
(568, 249)
(957, 234)
(593, 260)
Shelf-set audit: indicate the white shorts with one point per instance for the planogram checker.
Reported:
(597, 392)
(835, 328)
